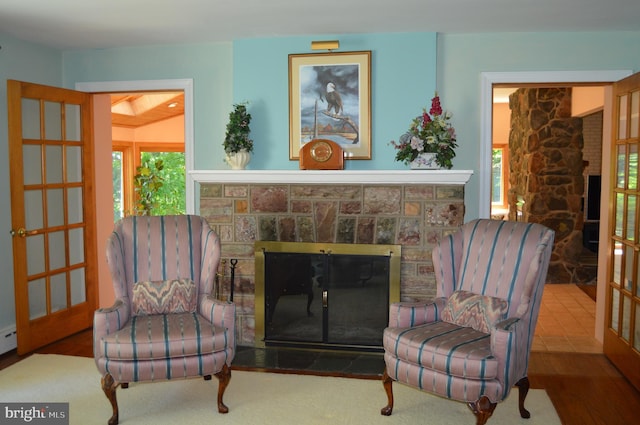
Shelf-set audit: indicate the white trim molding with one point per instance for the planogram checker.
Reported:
(441, 177)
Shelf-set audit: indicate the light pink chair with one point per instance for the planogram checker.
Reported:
(472, 343)
(164, 323)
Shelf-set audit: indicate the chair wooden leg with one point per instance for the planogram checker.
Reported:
(387, 382)
(523, 389)
(483, 409)
(109, 387)
(224, 376)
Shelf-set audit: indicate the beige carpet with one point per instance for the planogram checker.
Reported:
(253, 398)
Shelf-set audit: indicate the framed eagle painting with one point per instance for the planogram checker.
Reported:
(330, 98)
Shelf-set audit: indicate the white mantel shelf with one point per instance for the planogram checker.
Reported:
(448, 177)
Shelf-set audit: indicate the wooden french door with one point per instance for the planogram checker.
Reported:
(52, 212)
(622, 313)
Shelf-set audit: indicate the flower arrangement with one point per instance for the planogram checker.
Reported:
(237, 136)
(429, 132)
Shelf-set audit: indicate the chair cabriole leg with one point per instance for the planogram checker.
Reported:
(523, 389)
(109, 387)
(483, 409)
(224, 376)
(387, 382)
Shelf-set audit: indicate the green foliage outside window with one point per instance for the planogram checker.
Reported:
(160, 184)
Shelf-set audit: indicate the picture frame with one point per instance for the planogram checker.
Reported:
(330, 98)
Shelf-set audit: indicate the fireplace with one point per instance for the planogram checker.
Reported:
(324, 295)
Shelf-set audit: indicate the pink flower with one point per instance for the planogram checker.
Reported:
(436, 109)
(426, 119)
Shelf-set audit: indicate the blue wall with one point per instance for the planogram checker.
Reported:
(403, 81)
(463, 57)
(209, 65)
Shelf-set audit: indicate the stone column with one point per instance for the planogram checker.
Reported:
(547, 182)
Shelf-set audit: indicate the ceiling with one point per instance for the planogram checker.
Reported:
(98, 24)
(132, 110)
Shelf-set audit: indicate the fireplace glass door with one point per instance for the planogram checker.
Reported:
(325, 299)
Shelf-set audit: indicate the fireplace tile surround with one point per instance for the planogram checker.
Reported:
(411, 208)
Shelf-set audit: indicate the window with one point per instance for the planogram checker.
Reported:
(128, 156)
(499, 177)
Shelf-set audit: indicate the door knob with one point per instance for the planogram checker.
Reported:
(22, 232)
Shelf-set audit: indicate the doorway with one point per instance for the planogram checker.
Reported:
(488, 80)
(102, 126)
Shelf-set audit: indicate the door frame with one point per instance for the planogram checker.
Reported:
(185, 85)
(602, 77)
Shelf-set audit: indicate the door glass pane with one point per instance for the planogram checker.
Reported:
(615, 308)
(57, 258)
(631, 217)
(632, 178)
(619, 214)
(35, 254)
(55, 205)
(76, 246)
(636, 333)
(37, 298)
(54, 164)
(58, 292)
(617, 263)
(52, 121)
(33, 209)
(628, 268)
(626, 318)
(620, 167)
(622, 117)
(74, 205)
(74, 164)
(635, 110)
(78, 288)
(32, 162)
(30, 119)
(73, 127)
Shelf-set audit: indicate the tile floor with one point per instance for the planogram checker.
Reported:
(567, 321)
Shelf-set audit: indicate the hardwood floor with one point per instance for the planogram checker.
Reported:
(584, 388)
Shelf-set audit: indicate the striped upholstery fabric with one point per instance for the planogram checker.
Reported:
(176, 344)
(501, 259)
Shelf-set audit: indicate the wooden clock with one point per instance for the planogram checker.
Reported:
(321, 154)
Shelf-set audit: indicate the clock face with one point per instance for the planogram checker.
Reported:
(321, 151)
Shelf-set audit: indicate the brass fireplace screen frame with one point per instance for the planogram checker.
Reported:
(394, 252)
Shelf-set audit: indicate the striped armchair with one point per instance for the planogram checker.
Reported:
(164, 323)
(472, 343)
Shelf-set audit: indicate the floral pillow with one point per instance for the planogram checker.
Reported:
(164, 296)
(479, 312)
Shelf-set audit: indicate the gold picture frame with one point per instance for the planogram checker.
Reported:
(330, 98)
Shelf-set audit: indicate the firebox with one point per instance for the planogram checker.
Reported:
(324, 295)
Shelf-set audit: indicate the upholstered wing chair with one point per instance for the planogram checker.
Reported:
(472, 343)
(164, 323)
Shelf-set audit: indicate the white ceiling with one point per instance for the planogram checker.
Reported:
(73, 24)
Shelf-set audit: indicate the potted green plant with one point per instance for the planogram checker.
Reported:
(237, 143)
(430, 141)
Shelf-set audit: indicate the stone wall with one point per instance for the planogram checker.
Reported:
(415, 216)
(547, 181)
